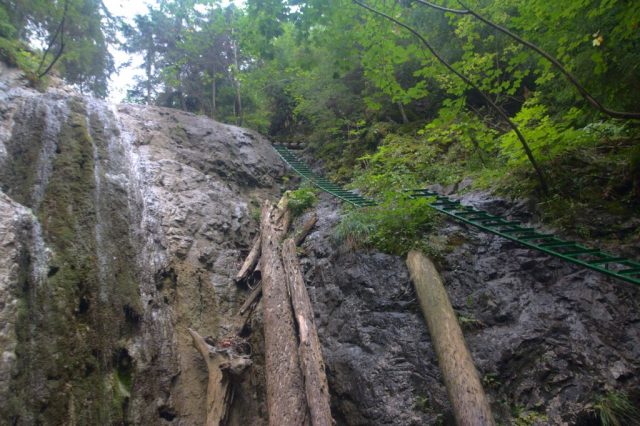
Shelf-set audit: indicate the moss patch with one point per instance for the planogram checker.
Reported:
(69, 350)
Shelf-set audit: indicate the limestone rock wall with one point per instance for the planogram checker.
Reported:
(121, 227)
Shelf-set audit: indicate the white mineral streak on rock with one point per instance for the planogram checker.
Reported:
(40, 253)
(55, 113)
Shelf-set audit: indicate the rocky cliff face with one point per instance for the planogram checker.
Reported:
(549, 339)
(121, 227)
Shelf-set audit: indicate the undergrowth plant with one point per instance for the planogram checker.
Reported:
(302, 199)
(616, 409)
(395, 226)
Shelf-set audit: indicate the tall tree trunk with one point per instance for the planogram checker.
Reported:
(315, 378)
(238, 103)
(285, 386)
(405, 120)
(213, 93)
(470, 405)
(148, 65)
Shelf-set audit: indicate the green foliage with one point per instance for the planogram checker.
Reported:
(17, 54)
(615, 409)
(547, 138)
(524, 417)
(301, 199)
(83, 40)
(406, 162)
(7, 30)
(395, 226)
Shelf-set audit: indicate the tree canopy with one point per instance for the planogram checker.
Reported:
(499, 84)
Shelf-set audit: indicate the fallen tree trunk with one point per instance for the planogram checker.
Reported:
(470, 405)
(306, 228)
(221, 366)
(256, 292)
(286, 400)
(312, 364)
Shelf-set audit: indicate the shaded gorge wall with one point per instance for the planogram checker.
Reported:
(121, 228)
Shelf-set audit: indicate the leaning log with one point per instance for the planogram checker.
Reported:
(250, 263)
(244, 273)
(312, 364)
(470, 405)
(285, 386)
(306, 228)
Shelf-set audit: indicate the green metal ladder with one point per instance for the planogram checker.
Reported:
(595, 259)
(606, 263)
(303, 170)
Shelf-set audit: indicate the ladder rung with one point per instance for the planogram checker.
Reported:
(536, 237)
(606, 260)
(515, 231)
(632, 271)
(557, 244)
(579, 252)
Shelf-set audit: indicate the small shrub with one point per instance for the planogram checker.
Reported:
(301, 199)
(395, 226)
(615, 409)
(17, 54)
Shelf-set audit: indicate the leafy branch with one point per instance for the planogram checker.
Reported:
(60, 32)
(572, 79)
(464, 78)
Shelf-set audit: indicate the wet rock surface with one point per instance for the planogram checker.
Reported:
(380, 363)
(121, 227)
(547, 337)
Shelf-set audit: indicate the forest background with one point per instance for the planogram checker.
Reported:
(379, 107)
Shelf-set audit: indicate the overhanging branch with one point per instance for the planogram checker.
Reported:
(464, 78)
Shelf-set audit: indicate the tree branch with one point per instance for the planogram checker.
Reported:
(59, 30)
(464, 78)
(572, 79)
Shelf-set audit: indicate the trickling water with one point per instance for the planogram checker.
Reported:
(54, 114)
(101, 253)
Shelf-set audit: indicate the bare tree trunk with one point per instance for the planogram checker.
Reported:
(285, 386)
(405, 120)
(213, 93)
(313, 369)
(59, 30)
(239, 113)
(470, 405)
(148, 66)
